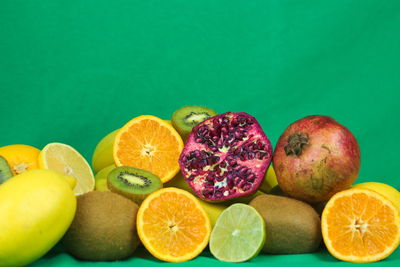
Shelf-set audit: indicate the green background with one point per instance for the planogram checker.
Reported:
(73, 71)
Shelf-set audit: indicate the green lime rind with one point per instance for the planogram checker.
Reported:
(238, 235)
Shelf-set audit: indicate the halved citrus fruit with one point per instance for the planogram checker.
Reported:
(360, 225)
(20, 158)
(238, 235)
(66, 160)
(149, 143)
(385, 190)
(172, 225)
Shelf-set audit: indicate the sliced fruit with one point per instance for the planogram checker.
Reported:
(66, 160)
(386, 190)
(360, 225)
(133, 183)
(103, 153)
(20, 158)
(179, 182)
(151, 144)
(226, 157)
(239, 234)
(213, 210)
(101, 178)
(5, 170)
(185, 118)
(173, 225)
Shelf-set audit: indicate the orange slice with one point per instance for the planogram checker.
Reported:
(21, 158)
(360, 225)
(151, 144)
(172, 225)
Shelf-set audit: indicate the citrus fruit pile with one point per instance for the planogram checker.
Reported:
(200, 181)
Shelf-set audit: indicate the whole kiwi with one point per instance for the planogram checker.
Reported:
(104, 228)
(292, 226)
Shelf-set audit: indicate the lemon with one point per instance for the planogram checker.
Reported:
(67, 161)
(101, 178)
(36, 209)
(386, 190)
(213, 210)
(269, 181)
(103, 153)
(71, 181)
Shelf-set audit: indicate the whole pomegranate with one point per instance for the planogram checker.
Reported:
(316, 157)
(226, 157)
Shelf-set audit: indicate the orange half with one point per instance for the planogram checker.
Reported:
(360, 225)
(151, 144)
(21, 158)
(172, 225)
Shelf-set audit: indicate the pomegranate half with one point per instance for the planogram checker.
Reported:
(226, 157)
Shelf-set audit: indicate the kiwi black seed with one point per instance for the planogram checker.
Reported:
(5, 170)
(133, 183)
(185, 118)
(103, 229)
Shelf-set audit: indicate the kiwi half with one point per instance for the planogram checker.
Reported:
(185, 118)
(133, 183)
(5, 170)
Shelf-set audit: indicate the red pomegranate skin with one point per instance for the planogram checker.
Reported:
(315, 158)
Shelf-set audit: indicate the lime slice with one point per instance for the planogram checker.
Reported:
(66, 160)
(238, 235)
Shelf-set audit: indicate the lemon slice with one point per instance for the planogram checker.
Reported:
(66, 160)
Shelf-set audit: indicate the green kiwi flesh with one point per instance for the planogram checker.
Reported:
(133, 183)
(185, 118)
(5, 170)
(103, 229)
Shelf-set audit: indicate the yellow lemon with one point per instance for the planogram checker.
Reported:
(101, 178)
(269, 181)
(103, 153)
(36, 209)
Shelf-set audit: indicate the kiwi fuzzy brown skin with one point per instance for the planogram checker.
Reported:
(5, 170)
(120, 181)
(182, 118)
(104, 228)
(292, 226)
(277, 191)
